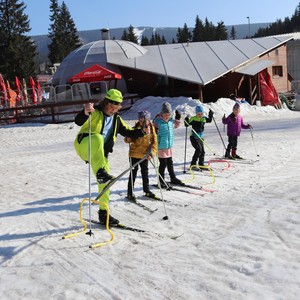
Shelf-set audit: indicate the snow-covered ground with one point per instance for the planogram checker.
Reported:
(240, 242)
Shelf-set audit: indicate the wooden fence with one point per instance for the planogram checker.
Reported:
(54, 112)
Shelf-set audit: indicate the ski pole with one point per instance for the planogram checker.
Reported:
(158, 182)
(131, 172)
(219, 132)
(185, 149)
(253, 141)
(156, 171)
(90, 155)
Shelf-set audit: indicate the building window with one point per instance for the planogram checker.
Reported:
(277, 71)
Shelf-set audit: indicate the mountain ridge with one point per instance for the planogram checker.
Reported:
(87, 36)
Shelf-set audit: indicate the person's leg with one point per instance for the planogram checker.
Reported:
(98, 162)
(170, 167)
(234, 146)
(195, 144)
(162, 167)
(131, 180)
(201, 154)
(145, 175)
(229, 147)
(98, 159)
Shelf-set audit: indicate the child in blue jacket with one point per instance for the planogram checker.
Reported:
(164, 125)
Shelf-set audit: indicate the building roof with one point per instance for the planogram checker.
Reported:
(199, 62)
(202, 62)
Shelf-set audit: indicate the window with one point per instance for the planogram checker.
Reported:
(277, 71)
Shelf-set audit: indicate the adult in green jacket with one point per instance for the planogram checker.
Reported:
(105, 124)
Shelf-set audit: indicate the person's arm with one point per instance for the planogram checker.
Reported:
(210, 116)
(126, 131)
(177, 119)
(83, 115)
(224, 120)
(245, 126)
(81, 118)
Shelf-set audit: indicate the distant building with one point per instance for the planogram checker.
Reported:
(203, 70)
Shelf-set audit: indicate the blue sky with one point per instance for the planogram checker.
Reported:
(96, 14)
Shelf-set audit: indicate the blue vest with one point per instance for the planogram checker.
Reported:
(165, 133)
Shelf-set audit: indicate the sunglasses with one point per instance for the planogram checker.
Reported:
(114, 103)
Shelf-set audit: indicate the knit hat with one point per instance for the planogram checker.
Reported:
(199, 109)
(144, 114)
(166, 108)
(236, 106)
(114, 95)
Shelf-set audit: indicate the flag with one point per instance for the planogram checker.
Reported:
(18, 89)
(3, 91)
(32, 86)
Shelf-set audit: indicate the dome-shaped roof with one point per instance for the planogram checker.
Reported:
(97, 52)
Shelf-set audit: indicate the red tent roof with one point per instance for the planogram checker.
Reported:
(94, 73)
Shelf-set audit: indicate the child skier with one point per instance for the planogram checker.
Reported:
(197, 122)
(138, 148)
(164, 125)
(234, 124)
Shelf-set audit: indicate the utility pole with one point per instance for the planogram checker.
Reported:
(249, 35)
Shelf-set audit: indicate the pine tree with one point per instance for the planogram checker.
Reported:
(183, 35)
(198, 31)
(221, 32)
(209, 31)
(63, 33)
(125, 36)
(130, 36)
(17, 51)
(144, 41)
(232, 33)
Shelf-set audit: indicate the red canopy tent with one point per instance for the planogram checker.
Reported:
(93, 74)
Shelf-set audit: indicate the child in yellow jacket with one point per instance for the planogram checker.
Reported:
(138, 148)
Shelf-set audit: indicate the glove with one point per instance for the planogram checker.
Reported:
(250, 126)
(224, 117)
(177, 115)
(210, 113)
(186, 121)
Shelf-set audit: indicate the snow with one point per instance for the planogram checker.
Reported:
(240, 242)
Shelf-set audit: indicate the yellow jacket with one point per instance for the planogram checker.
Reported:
(139, 146)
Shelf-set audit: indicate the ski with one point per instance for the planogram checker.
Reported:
(175, 188)
(240, 160)
(134, 229)
(115, 179)
(120, 226)
(142, 205)
(201, 188)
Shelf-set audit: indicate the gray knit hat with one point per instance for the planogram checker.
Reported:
(166, 108)
(236, 106)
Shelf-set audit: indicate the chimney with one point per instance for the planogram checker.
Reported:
(105, 34)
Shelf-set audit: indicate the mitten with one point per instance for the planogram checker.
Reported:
(177, 115)
(186, 121)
